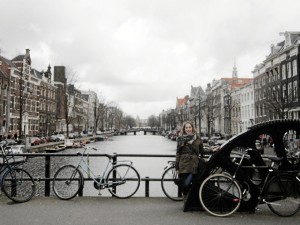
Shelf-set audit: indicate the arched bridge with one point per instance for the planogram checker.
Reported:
(134, 131)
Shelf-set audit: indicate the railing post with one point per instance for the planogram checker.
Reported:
(47, 175)
(114, 189)
(146, 186)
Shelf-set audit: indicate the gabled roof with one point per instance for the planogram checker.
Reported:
(7, 61)
(18, 58)
(197, 91)
(236, 82)
(181, 101)
(36, 73)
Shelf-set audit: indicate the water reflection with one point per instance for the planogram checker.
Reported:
(130, 144)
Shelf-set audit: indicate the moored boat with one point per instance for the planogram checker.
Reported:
(57, 148)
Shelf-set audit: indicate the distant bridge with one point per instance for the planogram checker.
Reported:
(134, 131)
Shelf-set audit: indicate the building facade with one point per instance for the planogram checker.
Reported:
(276, 81)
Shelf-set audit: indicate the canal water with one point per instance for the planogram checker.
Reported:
(152, 167)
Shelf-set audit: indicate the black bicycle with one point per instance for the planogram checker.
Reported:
(221, 194)
(16, 183)
(170, 182)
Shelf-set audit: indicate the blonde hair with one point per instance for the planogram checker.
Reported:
(183, 127)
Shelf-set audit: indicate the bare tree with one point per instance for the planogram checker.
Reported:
(277, 101)
(99, 111)
(210, 112)
(129, 121)
(70, 100)
(153, 121)
(119, 118)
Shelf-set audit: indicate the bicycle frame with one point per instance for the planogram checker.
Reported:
(100, 180)
(266, 178)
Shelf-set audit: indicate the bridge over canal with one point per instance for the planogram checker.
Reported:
(134, 131)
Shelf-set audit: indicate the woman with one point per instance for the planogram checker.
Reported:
(189, 145)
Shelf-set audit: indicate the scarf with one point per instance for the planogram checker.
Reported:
(187, 138)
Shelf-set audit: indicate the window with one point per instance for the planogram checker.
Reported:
(260, 95)
(12, 102)
(283, 92)
(295, 91)
(290, 91)
(294, 67)
(276, 74)
(289, 70)
(283, 72)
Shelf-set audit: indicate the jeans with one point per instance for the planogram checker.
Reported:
(186, 182)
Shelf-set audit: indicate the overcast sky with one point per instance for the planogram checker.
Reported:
(143, 54)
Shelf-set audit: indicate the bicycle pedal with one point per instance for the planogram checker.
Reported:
(246, 195)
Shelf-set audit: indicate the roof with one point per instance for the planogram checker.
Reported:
(197, 91)
(18, 58)
(7, 61)
(181, 101)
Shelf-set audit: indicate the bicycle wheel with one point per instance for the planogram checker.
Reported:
(67, 182)
(220, 195)
(170, 189)
(123, 181)
(283, 195)
(18, 185)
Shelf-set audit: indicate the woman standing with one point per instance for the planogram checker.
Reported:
(189, 145)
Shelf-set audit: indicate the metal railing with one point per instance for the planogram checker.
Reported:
(47, 179)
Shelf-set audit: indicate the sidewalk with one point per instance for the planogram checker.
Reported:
(112, 211)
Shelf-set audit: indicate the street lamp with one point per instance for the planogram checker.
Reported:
(199, 113)
(210, 126)
(21, 89)
(241, 127)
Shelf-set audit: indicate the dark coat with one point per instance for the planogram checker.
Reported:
(187, 158)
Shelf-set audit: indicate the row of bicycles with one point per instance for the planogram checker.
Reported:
(220, 194)
(120, 177)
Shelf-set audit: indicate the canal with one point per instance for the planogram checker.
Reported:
(151, 167)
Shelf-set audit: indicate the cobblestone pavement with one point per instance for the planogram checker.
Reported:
(112, 211)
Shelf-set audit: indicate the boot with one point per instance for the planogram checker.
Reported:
(184, 198)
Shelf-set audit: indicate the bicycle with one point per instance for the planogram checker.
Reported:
(221, 194)
(16, 183)
(170, 183)
(120, 178)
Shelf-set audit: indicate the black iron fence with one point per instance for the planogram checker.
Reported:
(47, 179)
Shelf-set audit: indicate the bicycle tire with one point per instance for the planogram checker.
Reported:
(220, 195)
(283, 195)
(170, 189)
(123, 181)
(18, 185)
(67, 182)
